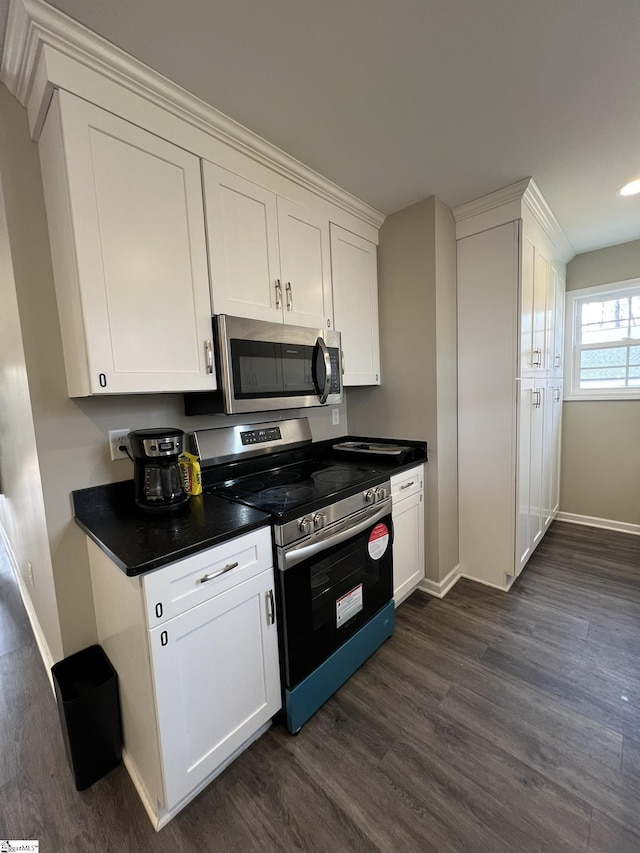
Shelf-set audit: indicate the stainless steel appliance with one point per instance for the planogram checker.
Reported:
(333, 539)
(156, 471)
(270, 366)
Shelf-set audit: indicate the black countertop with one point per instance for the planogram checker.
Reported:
(138, 541)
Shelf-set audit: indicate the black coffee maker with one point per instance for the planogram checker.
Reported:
(156, 472)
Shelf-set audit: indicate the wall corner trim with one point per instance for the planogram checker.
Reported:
(34, 29)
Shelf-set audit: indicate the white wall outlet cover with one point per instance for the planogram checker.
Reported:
(117, 438)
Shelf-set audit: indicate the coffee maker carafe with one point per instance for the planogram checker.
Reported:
(156, 471)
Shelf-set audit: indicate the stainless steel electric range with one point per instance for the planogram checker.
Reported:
(333, 538)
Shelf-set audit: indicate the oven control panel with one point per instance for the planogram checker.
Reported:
(260, 436)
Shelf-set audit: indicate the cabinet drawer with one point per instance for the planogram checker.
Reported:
(176, 588)
(407, 483)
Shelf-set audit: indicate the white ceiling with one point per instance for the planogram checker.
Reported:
(396, 100)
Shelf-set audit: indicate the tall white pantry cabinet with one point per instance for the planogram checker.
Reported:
(512, 257)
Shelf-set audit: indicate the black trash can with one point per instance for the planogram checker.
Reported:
(86, 688)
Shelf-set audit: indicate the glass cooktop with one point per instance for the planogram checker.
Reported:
(297, 487)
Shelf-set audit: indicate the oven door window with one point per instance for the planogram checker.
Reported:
(327, 598)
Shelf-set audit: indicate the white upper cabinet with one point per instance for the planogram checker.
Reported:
(355, 295)
(269, 257)
(126, 225)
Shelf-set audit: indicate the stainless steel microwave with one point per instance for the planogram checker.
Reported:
(263, 367)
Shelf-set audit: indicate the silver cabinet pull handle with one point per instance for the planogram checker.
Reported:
(537, 358)
(271, 608)
(208, 356)
(557, 361)
(407, 485)
(278, 293)
(289, 293)
(210, 577)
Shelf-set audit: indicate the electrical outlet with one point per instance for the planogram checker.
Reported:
(30, 573)
(335, 416)
(117, 438)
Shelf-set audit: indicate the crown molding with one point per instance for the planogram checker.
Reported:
(506, 195)
(34, 25)
(537, 204)
(522, 192)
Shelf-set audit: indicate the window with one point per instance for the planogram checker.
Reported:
(603, 342)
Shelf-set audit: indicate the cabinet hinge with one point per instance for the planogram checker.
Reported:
(159, 610)
(102, 379)
(164, 638)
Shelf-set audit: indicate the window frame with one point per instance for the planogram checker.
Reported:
(572, 349)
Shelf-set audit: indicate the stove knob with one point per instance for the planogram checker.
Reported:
(369, 496)
(380, 493)
(306, 525)
(319, 520)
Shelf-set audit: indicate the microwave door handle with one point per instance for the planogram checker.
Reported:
(323, 393)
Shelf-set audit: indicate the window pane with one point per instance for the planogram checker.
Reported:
(609, 319)
(634, 355)
(604, 368)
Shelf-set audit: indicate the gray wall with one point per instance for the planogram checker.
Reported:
(600, 475)
(22, 512)
(61, 443)
(417, 398)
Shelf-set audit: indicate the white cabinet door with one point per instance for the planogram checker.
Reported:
(526, 400)
(269, 258)
(530, 518)
(244, 253)
(557, 338)
(126, 224)
(556, 433)
(355, 303)
(305, 266)
(534, 278)
(408, 546)
(217, 681)
(407, 495)
(551, 450)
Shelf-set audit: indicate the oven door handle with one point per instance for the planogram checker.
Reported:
(302, 552)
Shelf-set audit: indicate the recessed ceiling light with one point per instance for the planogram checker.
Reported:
(632, 188)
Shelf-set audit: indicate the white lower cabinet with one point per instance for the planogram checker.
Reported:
(216, 676)
(198, 687)
(407, 498)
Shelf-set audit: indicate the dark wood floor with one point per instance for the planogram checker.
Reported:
(489, 722)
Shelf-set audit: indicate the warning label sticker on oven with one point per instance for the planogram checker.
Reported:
(348, 605)
(378, 541)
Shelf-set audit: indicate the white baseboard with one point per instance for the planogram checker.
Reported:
(440, 588)
(41, 642)
(604, 523)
